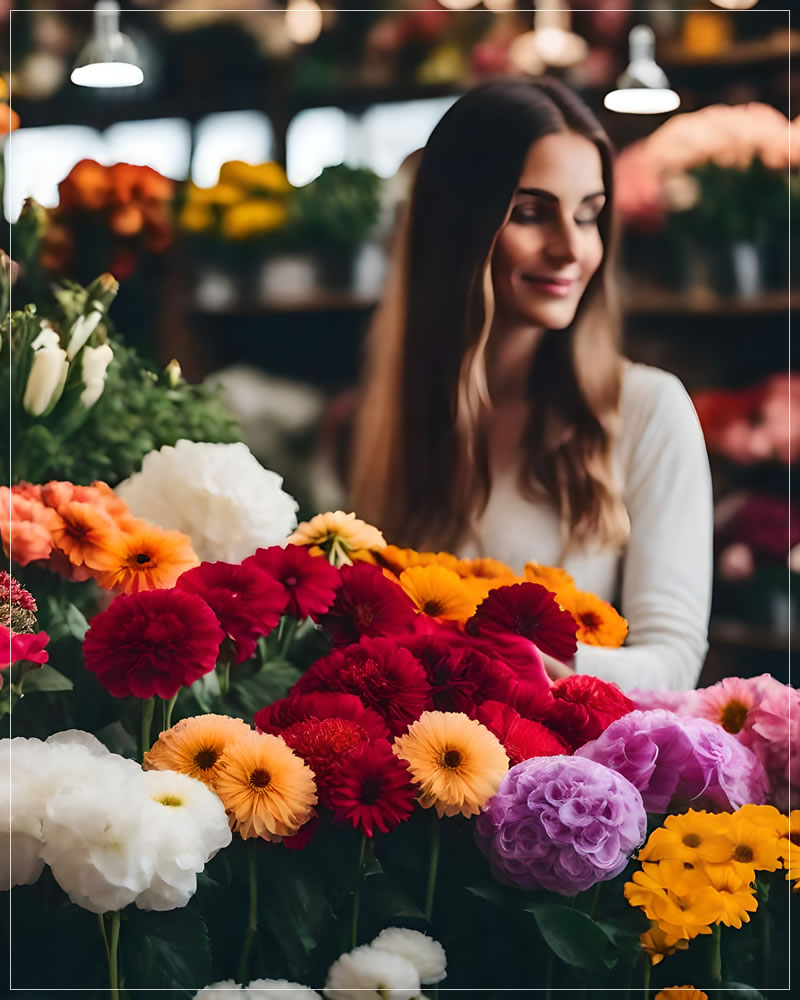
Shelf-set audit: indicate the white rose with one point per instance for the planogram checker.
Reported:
(82, 329)
(426, 955)
(217, 494)
(94, 365)
(47, 375)
(369, 973)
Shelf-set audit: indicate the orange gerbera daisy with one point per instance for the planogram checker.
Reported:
(489, 569)
(266, 789)
(396, 559)
(457, 763)
(598, 623)
(681, 993)
(85, 535)
(194, 746)
(438, 592)
(552, 578)
(143, 557)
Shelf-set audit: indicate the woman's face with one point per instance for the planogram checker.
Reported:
(550, 246)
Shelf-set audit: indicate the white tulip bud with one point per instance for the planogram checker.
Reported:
(47, 377)
(47, 337)
(82, 329)
(94, 366)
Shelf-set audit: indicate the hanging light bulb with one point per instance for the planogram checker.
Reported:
(459, 4)
(735, 4)
(109, 58)
(643, 88)
(556, 43)
(303, 21)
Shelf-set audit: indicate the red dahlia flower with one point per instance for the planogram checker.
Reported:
(323, 744)
(310, 581)
(460, 677)
(584, 707)
(528, 610)
(278, 716)
(246, 601)
(372, 789)
(522, 738)
(153, 642)
(367, 604)
(386, 677)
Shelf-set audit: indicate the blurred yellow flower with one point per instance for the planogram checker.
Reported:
(267, 176)
(551, 577)
(253, 217)
(657, 943)
(196, 217)
(219, 194)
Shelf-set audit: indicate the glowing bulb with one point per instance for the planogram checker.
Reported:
(459, 4)
(303, 21)
(735, 4)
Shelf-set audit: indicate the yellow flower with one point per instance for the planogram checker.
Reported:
(789, 844)
(552, 578)
(219, 194)
(679, 916)
(253, 217)
(269, 176)
(397, 559)
(267, 791)
(694, 837)
(732, 895)
(456, 761)
(599, 624)
(196, 217)
(338, 534)
(657, 943)
(681, 878)
(487, 569)
(438, 592)
(194, 746)
(681, 993)
(753, 847)
(768, 817)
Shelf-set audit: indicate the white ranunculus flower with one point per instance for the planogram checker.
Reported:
(20, 813)
(94, 366)
(186, 825)
(82, 329)
(47, 375)
(426, 955)
(218, 494)
(225, 989)
(279, 989)
(369, 973)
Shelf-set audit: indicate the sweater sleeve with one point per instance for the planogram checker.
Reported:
(667, 565)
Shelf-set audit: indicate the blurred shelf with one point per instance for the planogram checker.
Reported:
(757, 637)
(774, 48)
(649, 303)
(321, 301)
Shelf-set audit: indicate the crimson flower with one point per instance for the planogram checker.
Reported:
(528, 610)
(153, 642)
(522, 738)
(285, 712)
(372, 790)
(323, 744)
(386, 677)
(310, 581)
(246, 601)
(367, 603)
(459, 676)
(22, 646)
(584, 707)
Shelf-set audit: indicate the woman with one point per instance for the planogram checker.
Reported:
(499, 416)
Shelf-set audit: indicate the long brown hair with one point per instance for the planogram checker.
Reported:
(421, 464)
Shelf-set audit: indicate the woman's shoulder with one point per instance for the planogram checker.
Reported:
(655, 407)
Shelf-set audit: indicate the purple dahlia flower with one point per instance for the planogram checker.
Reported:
(677, 762)
(561, 823)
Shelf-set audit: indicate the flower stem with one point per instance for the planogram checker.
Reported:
(168, 706)
(433, 865)
(224, 675)
(595, 900)
(646, 977)
(113, 953)
(252, 924)
(357, 892)
(716, 955)
(102, 921)
(147, 721)
(766, 933)
(288, 635)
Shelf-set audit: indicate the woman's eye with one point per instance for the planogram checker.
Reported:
(589, 221)
(526, 213)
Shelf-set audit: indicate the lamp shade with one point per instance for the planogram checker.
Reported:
(109, 58)
(643, 88)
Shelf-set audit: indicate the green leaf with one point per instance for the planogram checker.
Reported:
(165, 950)
(269, 684)
(746, 992)
(495, 894)
(46, 678)
(391, 904)
(76, 623)
(574, 937)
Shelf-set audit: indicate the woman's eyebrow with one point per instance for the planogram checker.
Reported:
(541, 193)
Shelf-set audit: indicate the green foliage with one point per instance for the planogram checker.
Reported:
(337, 209)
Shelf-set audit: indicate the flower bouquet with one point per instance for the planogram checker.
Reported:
(715, 183)
(334, 762)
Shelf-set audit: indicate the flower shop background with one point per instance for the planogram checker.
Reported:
(243, 198)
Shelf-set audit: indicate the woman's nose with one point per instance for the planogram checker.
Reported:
(562, 243)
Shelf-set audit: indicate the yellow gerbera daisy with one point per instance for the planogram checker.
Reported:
(767, 816)
(694, 837)
(599, 624)
(551, 578)
(681, 993)
(194, 746)
(657, 943)
(753, 847)
(789, 843)
(338, 534)
(456, 761)
(438, 592)
(733, 896)
(488, 569)
(267, 791)
(396, 559)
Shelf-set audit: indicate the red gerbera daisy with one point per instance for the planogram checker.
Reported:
(153, 642)
(522, 738)
(529, 610)
(310, 581)
(246, 601)
(460, 676)
(281, 714)
(367, 604)
(372, 790)
(386, 677)
(584, 707)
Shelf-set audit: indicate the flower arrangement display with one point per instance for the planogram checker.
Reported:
(331, 761)
(83, 405)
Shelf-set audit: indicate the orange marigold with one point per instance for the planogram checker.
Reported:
(599, 624)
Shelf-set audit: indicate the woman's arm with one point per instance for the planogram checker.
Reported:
(667, 566)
